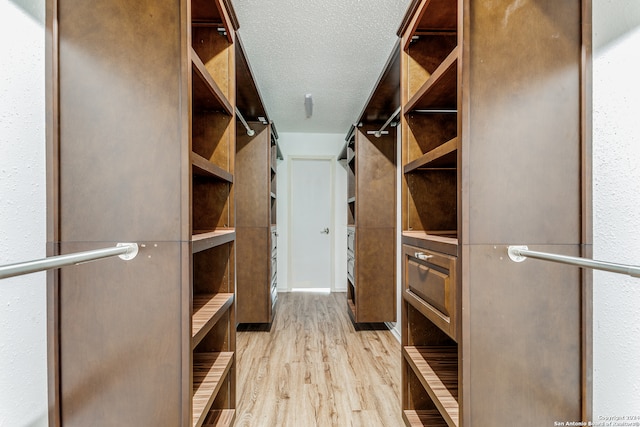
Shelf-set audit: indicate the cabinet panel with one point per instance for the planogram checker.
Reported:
(122, 129)
(523, 322)
(375, 179)
(375, 269)
(254, 275)
(111, 346)
(252, 177)
(525, 95)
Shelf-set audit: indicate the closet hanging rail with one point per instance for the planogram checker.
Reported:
(379, 133)
(521, 253)
(250, 131)
(125, 251)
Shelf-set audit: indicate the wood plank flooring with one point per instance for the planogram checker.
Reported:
(314, 369)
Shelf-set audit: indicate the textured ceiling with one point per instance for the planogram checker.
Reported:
(333, 49)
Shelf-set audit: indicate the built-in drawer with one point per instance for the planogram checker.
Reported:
(430, 286)
(274, 241)
(351, 239)
(274, 266)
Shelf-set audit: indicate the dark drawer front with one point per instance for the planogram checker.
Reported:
(430, 285)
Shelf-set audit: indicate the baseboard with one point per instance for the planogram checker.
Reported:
(393, 327)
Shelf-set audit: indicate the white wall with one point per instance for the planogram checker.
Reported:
(312, 144)
(23, 356)
(616, 205)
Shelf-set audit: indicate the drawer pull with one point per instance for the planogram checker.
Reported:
(422, 256)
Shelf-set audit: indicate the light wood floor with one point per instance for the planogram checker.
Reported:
(314, 369)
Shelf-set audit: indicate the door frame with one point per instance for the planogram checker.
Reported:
(332, 249)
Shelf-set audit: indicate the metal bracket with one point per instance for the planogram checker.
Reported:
(514, 253)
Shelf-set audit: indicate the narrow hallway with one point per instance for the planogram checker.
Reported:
(313, 368)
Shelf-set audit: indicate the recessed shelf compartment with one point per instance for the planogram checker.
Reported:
(210, 203)
(437, 370)
(207, 310)
(209, 372)
(205, 168)
(432, 201)
(440, 91)
(207, 95)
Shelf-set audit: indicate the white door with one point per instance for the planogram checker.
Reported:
(311, 233)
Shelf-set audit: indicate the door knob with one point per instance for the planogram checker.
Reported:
(325, 231)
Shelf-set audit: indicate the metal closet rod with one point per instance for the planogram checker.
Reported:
(378, 133)
(521, 253)
(125, 251)
(250, 131)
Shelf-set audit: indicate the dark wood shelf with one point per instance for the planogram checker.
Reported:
(437, 369)
(209, 371)
(205, 239)
(204, 167)
(221, 418)
(207, 310)
(440, 90)
(440, 241)
(427, 418)
(207, 95)
(443, 156)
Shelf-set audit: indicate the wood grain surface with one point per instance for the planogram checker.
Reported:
(313, 369)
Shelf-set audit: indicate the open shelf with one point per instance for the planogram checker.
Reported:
(444, 156)
(439, 92)
(204, 167)
(204, 239)
(209, 371)
(437, 369)
(427, 418)
(207, 310)
(207, 95)
(220, 418)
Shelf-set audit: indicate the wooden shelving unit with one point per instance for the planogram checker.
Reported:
(478, 109)
(256, 198)
(370, 162)
(214, 235)
(160, 117)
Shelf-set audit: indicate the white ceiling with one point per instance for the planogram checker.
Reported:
(333, 49)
